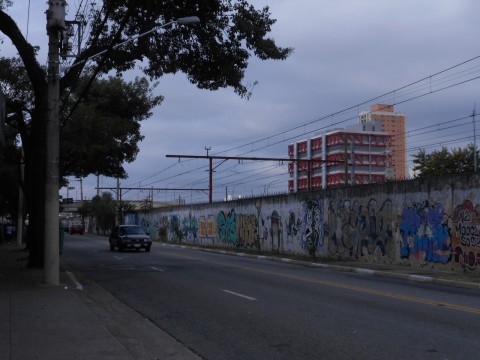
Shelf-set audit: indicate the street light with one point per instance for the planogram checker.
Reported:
(55, 27)
(189, 20)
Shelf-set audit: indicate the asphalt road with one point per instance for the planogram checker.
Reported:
(232, 307)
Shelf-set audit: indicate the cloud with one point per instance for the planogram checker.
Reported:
(346, 52)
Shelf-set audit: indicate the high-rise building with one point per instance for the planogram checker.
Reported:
(355, 155)
(393, 123)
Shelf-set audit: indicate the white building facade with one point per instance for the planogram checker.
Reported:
(358, 154)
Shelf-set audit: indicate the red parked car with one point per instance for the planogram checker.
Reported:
(76, 229)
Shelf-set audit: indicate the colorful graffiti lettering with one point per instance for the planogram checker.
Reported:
(425, 233)
(227, 227)
(313, 231)
(293, 226)
(360, 230)
(276, 232)
(202, 227)
(466, 235)
(247, 231)
(190, 228)
(175, 230)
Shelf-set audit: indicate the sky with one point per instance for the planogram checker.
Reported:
(419, 55)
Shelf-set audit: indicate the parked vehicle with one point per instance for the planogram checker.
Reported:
(129, 237)
(76, 229)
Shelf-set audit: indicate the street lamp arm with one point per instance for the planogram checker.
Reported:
(189, 20)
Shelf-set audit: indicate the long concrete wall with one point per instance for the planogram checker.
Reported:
(433, 222)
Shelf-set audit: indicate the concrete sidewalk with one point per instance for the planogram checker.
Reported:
(76, 320)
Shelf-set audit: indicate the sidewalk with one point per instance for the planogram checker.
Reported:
(76, 320)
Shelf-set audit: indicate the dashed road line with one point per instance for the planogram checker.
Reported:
(240, 295)
(72, 277)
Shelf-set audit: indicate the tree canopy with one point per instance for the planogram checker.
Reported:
(103, 132)
(213, 55)
(445, 162)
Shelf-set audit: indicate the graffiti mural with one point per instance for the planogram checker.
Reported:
(202, 227)
(313, 230)
(276, 232)
(293, 227)
(466, 238)
(247, 231)
(175, 230)
(151, 227)
(360, 230)
(426, 233)
(227, 227)
(434, 224)
(190, 228)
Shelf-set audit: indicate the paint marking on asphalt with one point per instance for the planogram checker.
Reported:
(240, 295)
(72, 277)
(157, 269)
(386, 294)
(118, 257)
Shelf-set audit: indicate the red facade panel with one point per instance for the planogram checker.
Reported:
(291, 185)
(302, 147)
(316, 144)
(317, 182)
(291, 167)
(291, 150)
(303, 184)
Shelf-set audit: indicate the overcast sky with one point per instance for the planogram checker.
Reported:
(347, 53)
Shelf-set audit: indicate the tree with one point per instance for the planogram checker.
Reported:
(104, 210)
(9, 180)
(214, 55)
(103, 133)
(444, 162)
(125, 208)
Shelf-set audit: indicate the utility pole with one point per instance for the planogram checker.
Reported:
(474, 139)
(81, 188)
(20, 203)
(119, 199)
(225, 158)
(55, 28)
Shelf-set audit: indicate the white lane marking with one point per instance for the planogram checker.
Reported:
(78, 286)
(240, 295)
(118, 257)
(155, 268)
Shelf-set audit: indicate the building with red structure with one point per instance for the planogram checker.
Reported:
(393, 123)
(358, 154)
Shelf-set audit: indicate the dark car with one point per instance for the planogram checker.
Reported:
(129, 237)
(76, 229)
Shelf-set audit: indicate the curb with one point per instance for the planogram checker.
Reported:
(361, 271)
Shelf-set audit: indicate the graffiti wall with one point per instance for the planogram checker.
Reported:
(432, 222)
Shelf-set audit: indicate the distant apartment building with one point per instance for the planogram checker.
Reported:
(358, 154)
(393, 123)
